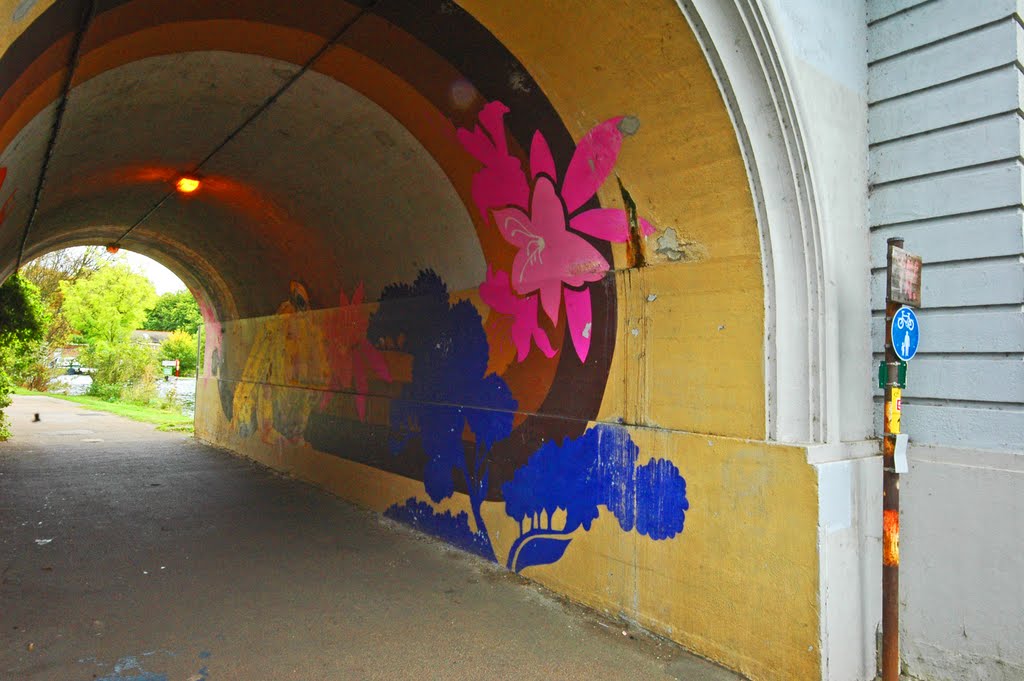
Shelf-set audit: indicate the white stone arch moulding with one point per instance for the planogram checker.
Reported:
(738, 43)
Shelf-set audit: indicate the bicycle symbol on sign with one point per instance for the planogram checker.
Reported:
(904, 319)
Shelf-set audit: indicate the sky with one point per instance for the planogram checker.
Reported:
(163, 279)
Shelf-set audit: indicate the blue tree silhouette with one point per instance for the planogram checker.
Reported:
(596, 469)
(450, 388)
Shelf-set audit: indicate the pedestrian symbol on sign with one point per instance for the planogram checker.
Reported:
(905, 333)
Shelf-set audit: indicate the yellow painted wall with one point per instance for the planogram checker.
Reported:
(10, 29)
(738, 586)
(740, 583)
(703, 337)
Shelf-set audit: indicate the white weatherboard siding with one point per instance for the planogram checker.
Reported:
(946, 90)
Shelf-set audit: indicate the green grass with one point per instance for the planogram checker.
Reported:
(164, 419)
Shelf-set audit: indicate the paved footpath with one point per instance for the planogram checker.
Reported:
(126, 553)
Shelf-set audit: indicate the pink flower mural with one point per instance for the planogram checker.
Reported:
(544, 222)
(350, 354)
(497, 292)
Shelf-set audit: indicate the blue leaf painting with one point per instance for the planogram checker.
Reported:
(596, 469)
(540, 551)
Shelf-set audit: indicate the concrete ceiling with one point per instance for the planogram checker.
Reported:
(325, 187)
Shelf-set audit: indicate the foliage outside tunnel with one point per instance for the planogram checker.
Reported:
(93, 304)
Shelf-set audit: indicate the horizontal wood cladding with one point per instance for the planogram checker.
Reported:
(970, 144)
(962, 425)
(931, 22)
(963, 331)
(965, 190)
(974, 283)
(880, 9)
(971, 98)
(975, 51)
(970, 236)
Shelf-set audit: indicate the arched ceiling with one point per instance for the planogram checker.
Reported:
(324, 134)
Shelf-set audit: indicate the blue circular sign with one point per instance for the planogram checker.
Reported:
(905, 334)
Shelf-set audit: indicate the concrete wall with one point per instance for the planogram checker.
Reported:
(658, 408)
(673, 371)
(945, 132)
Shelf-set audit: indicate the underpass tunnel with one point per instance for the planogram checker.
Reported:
(491, 269)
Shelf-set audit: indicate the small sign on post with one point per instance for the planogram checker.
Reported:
(905, 277)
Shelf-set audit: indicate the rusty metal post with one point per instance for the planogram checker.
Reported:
(891, 489)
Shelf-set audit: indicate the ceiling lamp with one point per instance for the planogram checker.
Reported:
(187, 184)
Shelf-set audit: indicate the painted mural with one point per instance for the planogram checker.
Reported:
(427, 351)
(545, 220)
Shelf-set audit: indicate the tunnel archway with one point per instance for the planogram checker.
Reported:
(353, 155)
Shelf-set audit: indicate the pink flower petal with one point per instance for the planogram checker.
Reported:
(578, 312)
(515, 226)
(574, 261)
(594, 158)
(526, 274)
(493, 118)
(501, 182)
(540, 337)
(521, 338)
(541, 160)
(603, 223)
(546, 211)
(551, 298)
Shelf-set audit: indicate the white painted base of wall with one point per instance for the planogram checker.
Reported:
(962, 565)
(850, 547)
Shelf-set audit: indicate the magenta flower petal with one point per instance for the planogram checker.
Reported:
(497, 293)
(546, 210)
(591, 163)
(501, 181)
(515, 226)
(551, 298)
(578, 312)
(541, 160)
(603, 223)
(540, 337)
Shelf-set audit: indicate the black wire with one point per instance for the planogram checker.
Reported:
(58, 119)
(262, 108)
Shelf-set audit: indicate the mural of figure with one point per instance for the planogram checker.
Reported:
(255, 409)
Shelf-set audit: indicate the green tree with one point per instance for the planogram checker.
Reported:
(36, 370)
(108, 304)
(22, 324)
(180, 345)
(174, 311)
(122, 371)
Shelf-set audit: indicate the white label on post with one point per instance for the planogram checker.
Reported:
(900, 455)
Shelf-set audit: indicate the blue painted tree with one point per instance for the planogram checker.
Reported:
(596, 469)
(450, 389)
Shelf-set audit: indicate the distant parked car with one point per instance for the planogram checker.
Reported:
(74, 368)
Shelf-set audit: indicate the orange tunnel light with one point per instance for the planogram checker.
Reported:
(187, 184)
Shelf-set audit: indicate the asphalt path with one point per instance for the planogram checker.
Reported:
(128, 553)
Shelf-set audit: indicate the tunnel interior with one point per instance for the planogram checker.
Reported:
(491, 270)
